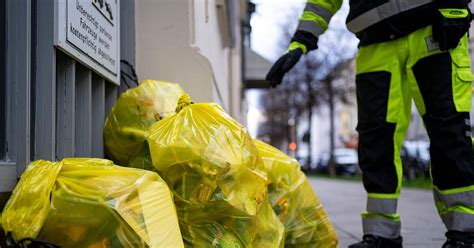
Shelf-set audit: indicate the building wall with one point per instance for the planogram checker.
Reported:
(52, 106)
(345, 120)
(187, 42)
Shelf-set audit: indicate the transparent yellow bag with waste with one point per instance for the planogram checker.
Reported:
(133, 113)
(91, 203)
(219, 182)
(294, 201)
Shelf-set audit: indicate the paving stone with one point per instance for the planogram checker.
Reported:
(345, 200)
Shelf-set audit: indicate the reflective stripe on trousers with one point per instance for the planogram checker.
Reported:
(381, 218)
(384, 11)
(389, 76)
(380, 226)
(380, 205)
(456, 208)
(459, 221)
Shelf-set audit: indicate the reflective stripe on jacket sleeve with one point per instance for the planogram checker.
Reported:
(317, 14)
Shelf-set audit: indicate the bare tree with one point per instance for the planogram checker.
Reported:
(320, 78)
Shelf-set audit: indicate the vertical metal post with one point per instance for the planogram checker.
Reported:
(111, 94)
(83, 111)
(65, 100)
(45, 82)
(18, 77)
(23, 74)
(127, 37)
(3, 49)
(127, 30)
(98, 115)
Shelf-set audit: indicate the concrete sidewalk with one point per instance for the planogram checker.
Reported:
(345, 200)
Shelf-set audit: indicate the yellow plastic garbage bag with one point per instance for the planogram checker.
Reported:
(133, 113)
(294, 201)
(91, 203)
(219, 182)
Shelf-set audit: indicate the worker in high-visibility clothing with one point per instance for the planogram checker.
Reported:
(409, 49)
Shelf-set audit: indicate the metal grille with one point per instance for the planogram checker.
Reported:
(81, 109)
(2, 79)
(55, 107)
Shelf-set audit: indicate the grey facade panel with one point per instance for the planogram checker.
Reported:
(83, 110)
(98, 116)
(55, 106)
(2, 78)
(127, 30)
(127, 38)
(45, 82)
(65, 102)
(111, 94)
(18, 77)
(23, 76)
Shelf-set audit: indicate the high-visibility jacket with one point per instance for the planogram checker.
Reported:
(371, 20)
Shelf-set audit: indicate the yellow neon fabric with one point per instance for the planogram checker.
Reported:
(454, 191)
(318, 20)
(454, 13)
(295, 45)
(398, 57)
(384, 196)
(331, 5)
(81, 202)
(443, 210)
(392, 217)
(294, 201)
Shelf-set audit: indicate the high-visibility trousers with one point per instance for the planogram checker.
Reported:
(389, 76)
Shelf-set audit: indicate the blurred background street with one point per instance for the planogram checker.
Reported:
(313, 114)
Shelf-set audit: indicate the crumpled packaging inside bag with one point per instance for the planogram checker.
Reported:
(218, 180)
(91, 203)
(133, 113)
(294, 201)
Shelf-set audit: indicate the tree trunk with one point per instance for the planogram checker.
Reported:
(310, 122)
(332, 162)
(310, 146)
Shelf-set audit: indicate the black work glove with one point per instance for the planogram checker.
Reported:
(452, 22)
(306, 41)
(282, 66)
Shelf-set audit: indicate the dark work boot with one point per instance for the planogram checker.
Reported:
(372, 241)
(454, 243)
(457, 239)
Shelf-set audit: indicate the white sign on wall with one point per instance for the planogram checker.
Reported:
(88, 30)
